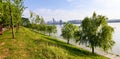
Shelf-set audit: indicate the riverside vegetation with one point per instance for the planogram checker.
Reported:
(33, 45)
(27, 44)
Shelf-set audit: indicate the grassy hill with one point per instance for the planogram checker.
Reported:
(32, 45)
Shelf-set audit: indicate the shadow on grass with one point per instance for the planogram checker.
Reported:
(70, 48)
(73, 50)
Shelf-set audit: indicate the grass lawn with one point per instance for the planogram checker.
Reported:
(31, 45)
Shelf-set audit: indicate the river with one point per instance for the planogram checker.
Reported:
(116, 37)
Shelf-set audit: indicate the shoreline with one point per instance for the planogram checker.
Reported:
(100, 52)
(97, 50)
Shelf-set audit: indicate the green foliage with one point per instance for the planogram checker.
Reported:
(5, 14)
(36, 19)
(42, 21)
(43, 28)
(51, 29)
(106, 37)
(38, 24)
(25, 22)
(95, 32)
(68, 30)
(0, 11)
(19, 10)
(16, 11)
(11, 12)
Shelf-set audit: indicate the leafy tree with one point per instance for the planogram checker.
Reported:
(11, 16)
(54, 29)
(43, 28)
(42, 21)
(4, 13)
(25, 22)
(37, 20)
(68, 30)
(20, 7)
(51, 29)
(95, 32)
(33, 18)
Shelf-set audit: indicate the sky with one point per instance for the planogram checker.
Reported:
(72, 9)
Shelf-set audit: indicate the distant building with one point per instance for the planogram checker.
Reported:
(61, 22)
(54, 22)
(75, 21)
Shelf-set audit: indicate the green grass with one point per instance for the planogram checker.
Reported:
(32, 45)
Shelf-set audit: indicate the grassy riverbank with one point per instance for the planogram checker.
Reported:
(32, 45)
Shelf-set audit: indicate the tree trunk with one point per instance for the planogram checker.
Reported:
(0, 28)
(17, 27)
(12, 26)
(13, 34)
(68, 41)
(92, 50)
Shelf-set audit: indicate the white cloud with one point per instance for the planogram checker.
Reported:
(59, 14)
(109, 8)
(108, 3)
(66, 15)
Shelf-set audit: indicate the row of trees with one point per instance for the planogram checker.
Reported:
(11, 14)
(94, 31)
(37, 23)
(44, 28)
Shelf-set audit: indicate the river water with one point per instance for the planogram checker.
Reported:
(116, 36)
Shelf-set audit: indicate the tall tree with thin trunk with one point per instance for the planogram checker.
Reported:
(11, 18)
(68, 30)
(19, 11)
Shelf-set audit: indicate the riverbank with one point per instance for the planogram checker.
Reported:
(97, 50)
(33, 45)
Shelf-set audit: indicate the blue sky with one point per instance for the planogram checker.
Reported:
(51, 4)
(72, 9)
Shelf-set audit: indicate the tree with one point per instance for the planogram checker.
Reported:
(19, 11)
(42, 21)
(4, 17)
(43, 28)
(10, 14)
(25, 22)
(68, 30)
(51, 29)
(95, 32)
(38, 19)
(11, 17)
